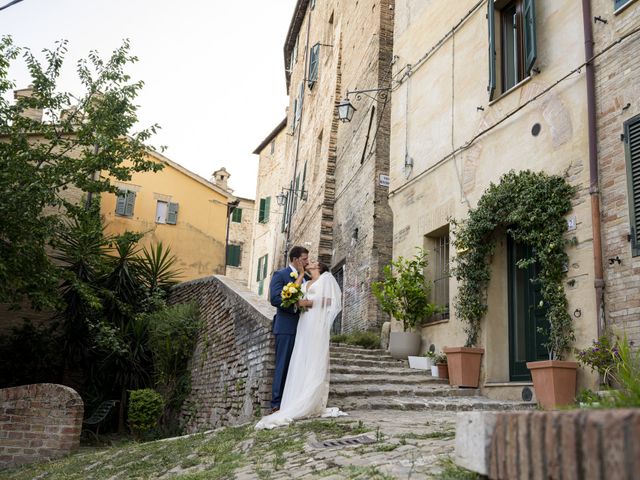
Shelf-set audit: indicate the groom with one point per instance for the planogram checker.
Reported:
(285, 321)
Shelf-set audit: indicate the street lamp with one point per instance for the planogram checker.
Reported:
(346, 109)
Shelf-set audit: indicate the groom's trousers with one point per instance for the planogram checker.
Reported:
(284, 347)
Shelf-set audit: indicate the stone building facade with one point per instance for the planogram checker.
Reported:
(617, 92)
(267, 249)
(337, 205)
(459, 122)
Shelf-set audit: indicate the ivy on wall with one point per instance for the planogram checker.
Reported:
(531, 208)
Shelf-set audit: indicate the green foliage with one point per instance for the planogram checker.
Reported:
(602, 356)
(531, 208)
(626, 377)
(84, 133)
(145, 408)
(404, 290)
(172, 338)
(363, 339)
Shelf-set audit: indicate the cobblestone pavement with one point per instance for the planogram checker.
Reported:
(408, 445)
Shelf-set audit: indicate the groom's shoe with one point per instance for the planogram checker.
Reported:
(275, 409)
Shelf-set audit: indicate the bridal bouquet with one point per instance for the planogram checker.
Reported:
(291, 293)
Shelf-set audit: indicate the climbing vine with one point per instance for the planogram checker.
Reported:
(531, 208)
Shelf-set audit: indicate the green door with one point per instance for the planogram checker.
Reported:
(526, 317)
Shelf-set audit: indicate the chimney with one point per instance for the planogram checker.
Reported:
(34, 114)
(220, 177)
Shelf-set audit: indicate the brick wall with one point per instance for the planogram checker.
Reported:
(38, 422)
(617, 93)
(583, 444)
(232, 366)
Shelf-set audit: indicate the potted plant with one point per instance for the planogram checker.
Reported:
(464, 365)
(508, 205)
(441, 364)
(403, 293)
(432, 356)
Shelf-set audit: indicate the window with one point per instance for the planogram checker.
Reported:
(294, 55)
(512, 43)
(273, 146)
(263, 213)
(166, 212)
(236, 215)
(437, 245)
(619, 3)
(234, 252)
(314, 60)
(632, 153)
(261, 274)
(125, 202)
(312, 4)
(303, 192)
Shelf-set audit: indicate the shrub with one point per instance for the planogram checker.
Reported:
(363, 339)
(173, 333)
(602, 356)
(626, 376)
(145, 409)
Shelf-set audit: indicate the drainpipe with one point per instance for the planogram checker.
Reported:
(593, 165)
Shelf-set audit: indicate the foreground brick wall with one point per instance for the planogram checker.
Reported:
(581, 445)
(38, 422)
(232, 366)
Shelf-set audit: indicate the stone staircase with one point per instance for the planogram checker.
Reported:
(363, 379)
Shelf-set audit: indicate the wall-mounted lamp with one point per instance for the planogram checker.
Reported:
(281, 198)
(408, 165)
(346, 109)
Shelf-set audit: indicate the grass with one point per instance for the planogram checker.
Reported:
(363, 339)
(450, 471)
(438, 435)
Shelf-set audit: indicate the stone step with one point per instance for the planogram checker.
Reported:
(371, 363)
(344, 348)
(426, 403)
(399, 390)
(409, 378)
(364, 356)
(364, 370)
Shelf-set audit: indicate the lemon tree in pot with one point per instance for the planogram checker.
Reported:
(404, 294)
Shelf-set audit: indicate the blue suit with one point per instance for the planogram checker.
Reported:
(285, 324)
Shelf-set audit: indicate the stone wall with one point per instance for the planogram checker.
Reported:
(581, 444)
(617, 93)
(232, 366)
(38, 422)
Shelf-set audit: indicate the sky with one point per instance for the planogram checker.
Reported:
(213, 69)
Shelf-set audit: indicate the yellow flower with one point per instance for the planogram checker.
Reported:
(293, 274)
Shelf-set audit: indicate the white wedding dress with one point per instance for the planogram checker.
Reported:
(306, 389)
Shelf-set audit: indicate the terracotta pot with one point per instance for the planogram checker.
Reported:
(554, 382)
(443, 370)
(403, 344)
(464, 365)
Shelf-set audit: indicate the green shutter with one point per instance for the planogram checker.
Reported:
(618, 3)
(264, 266)
(172, 213)
(284, 214)
(267, 209)
(632, 152)
(130, 202)
(530, 49)
(298, 110)
(233, 255)
(260, 287)
(121, 202)
(259, 270)
(491, 20)
(314, 56)
(261, 211)
(236, 216)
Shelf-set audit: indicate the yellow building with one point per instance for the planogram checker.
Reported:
(177, 207)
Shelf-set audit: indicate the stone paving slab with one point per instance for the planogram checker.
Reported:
(388, 390)
(407, 378)
(359, 370)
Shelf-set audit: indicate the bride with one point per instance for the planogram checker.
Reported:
(306, 389)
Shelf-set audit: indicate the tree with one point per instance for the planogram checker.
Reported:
(40, 160)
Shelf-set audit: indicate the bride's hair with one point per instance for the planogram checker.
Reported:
(323, 267)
